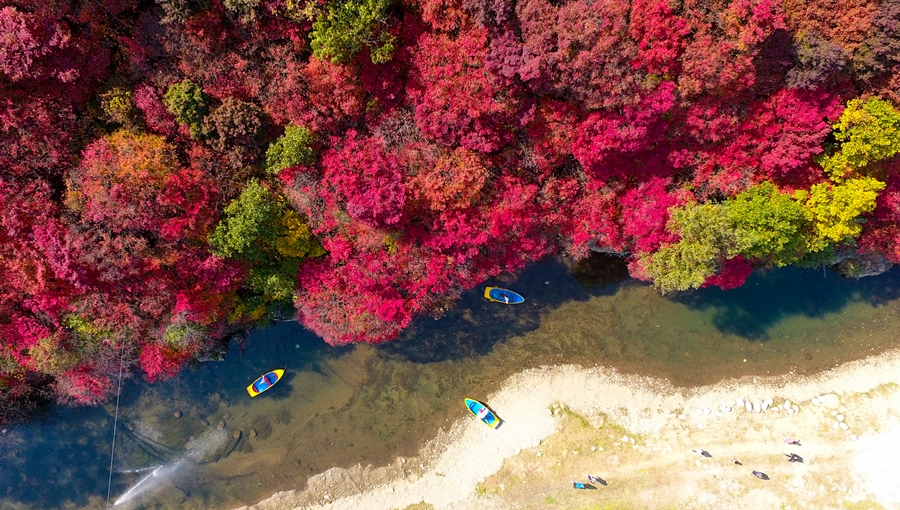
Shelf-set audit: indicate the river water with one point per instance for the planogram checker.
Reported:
(198, 441)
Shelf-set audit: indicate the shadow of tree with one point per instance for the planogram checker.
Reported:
(474, 325)
(770, 296)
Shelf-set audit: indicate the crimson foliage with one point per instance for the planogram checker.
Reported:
(497, 133)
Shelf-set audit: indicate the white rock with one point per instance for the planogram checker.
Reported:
(757, 406)
(727, 409)
(830, 400)
(624, 438)
(853, 437)
(766, 403)
(836, 425)
(749, 406)
(739, 402)
(791, 412)
(706, 411)
(681, 416)
(701, 426)
(839, 417)
(834, 413)
(815, 400)
(787, 403)
(844, 426)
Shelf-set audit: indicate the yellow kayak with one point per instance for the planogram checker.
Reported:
(265, 382)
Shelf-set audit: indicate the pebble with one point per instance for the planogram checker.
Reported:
(177, 414)
(815, 400)
(830, 400)
(766, 403)
(836, 425)
(787, 404)
(222, 424)
(253, 433)
(236, 434)
(749, 407)
(843, 426)
(739, 402)
(790, 411)
(853, 437)
(757, 406)
(839, 417)
(681, 416)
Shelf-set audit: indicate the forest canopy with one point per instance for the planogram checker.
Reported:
(174, 171)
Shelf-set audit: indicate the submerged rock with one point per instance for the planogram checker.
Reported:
(857, 265)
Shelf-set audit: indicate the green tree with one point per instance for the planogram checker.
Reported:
(292, 148)
(708, 238)
(771, 224)
(272, 240)
(189, 104)
(868, 132)
(835, 210)
(346, 27)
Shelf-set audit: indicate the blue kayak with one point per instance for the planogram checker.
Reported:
(483, 413)
(505, 296)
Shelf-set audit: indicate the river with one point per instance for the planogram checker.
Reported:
(198, 440)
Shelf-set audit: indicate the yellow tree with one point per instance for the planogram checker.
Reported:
(835, 210)
(868, 132)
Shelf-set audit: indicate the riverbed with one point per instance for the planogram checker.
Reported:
(369, 404)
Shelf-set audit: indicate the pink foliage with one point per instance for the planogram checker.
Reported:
(156, 116)
(208, 284)
(660, 34)
(733, 274)
(647, 208)
(34, 137)
(457, 100)
(604, 136)
(320, 95)
(881, 234)
(159, 362)
(367, 180)
(83, 385)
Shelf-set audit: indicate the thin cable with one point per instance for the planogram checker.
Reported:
(112, 454)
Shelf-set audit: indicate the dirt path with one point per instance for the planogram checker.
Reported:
(637, 434)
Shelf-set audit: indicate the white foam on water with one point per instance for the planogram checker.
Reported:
(195, 450)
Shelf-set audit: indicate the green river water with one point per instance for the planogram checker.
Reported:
(369, 404)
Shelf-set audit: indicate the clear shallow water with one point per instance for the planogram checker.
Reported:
(369, 404)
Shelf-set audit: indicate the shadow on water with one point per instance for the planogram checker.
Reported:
(61, 457)
(475, 325)
(770, 296)
(370, 404)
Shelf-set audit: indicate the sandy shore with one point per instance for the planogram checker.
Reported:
(637, 434)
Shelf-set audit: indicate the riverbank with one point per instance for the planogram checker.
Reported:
(637, 434)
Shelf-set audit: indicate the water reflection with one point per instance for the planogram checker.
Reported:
(368, 404)
(768, 297)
